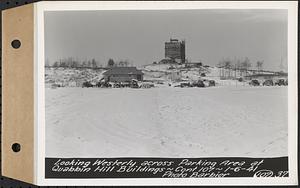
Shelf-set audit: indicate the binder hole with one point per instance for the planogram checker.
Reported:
(16, 147)
(16, 44)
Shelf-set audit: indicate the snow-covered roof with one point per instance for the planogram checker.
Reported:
(123, 70)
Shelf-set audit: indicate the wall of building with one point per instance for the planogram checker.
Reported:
(123, 78)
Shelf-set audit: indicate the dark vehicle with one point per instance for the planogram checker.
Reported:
(87, 84)
(122, 84)
(55, 85)
(268, 83)
(184, 84)
(286, 82)
(106, 84)
(211, 83)
(254, 83)
(103, 84)
(125, 84)
(99, 84)
(240, 79)
(280, 82)
(117, 85)
(147, 85)
(199, 83)
(134, 84)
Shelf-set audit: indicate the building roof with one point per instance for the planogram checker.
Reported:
(123, 70)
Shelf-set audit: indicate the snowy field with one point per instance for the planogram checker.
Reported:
(166, 122)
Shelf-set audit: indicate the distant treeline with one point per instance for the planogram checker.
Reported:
(241, 67)
(239, 64)
(72, 63)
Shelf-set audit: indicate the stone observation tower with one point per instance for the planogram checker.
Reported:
(175, 50)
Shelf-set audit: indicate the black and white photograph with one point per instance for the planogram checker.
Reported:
(182, 83)
(177, 83)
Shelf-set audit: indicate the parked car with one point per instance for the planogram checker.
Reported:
(212, 83)
(87, 84)
(125, 84)
(286, 82)
(104, 84)
(117, 85)
(198, 83)
(147, 85)
(268, 83)
(54, 86)
(280, 82)
(134, 84)
(99, 84)
(185, 84)
(254, 83)
(240, 79)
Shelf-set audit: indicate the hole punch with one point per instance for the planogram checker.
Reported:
(16, 147)
(16, 44)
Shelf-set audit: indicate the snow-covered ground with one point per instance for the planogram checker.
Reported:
(166, 122)
(71, 77)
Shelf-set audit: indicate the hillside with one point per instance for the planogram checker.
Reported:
(174, 73)
(156, 73)
(71, 77)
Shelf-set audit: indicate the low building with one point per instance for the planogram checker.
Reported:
(123, 74)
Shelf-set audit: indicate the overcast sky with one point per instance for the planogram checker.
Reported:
(139, 36)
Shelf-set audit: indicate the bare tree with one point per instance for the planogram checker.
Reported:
(47, 63)
(56, 64)
(221, 66)
(89, 64)
(246, 64)
(83, 64)
(225, 68)
(94, 63)
(238, 66)
(126, 63)
(110, 63)
(228, 67)
(120, 64)
(74, 64)
(259, 65)
(123, 63)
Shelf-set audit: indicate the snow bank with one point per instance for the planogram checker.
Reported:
(166, 122)
(71, 77)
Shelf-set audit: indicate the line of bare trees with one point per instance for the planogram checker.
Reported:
(233, 68)
(122, 63)
(92, 63)
(73, 63)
